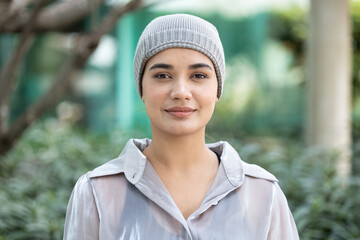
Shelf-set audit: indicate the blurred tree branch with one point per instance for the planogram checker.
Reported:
(7, 74)
(55, 17)
(84, 47)
(11, 8)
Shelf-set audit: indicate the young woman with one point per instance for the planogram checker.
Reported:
(176, 186)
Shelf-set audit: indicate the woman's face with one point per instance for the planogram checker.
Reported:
(179, 89)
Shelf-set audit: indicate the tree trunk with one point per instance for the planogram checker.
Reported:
(329, 83)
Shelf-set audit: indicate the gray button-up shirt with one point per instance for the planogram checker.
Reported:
(124, 199)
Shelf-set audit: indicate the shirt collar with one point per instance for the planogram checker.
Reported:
(231, 161)
(132, 163)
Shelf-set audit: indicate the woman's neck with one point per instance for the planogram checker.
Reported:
(178, 153)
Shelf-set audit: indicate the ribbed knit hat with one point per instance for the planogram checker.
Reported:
(179, 31)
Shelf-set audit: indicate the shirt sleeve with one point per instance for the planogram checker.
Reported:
(282, 225)
(82, 218)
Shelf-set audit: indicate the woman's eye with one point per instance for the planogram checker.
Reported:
(199, 76)
(162, 75)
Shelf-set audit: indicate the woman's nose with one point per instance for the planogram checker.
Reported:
(181, 89)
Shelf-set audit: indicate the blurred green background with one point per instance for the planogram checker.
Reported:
(261, 114)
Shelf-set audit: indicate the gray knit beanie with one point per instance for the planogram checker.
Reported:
(179, 31)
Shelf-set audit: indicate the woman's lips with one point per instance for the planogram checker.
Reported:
(180, 112)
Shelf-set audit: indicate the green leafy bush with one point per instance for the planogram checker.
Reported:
(38, 175)
(37, 178)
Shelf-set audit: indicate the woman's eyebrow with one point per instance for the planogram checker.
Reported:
(200, 65)
(161, 65)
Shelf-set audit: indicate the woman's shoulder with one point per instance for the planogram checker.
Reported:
(112, 167)
(255, 171)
